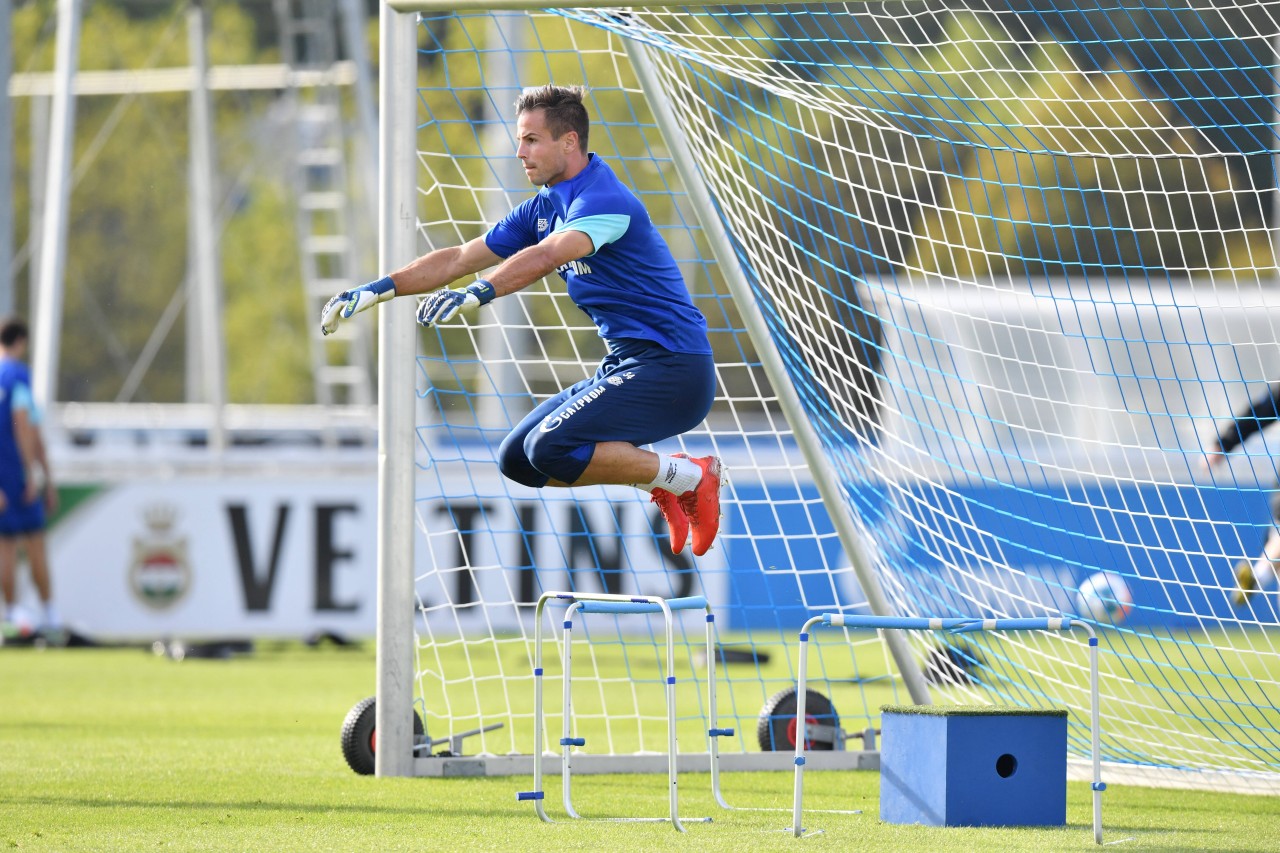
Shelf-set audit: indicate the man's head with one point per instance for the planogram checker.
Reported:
(14, 336)
(551, 133)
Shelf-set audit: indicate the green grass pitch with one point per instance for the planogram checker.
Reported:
(122, 750)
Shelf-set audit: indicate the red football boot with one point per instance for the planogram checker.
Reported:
(702, 505)
(677, 521)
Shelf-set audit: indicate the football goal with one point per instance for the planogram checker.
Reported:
(985, 284)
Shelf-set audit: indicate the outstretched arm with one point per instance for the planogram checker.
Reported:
(442, 266)
(528, 265)
(515, 273)
(428, 272)
(436, 269)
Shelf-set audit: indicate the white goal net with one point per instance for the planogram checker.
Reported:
(1016, 262)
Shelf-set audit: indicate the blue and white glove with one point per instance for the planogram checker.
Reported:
(349, 302)
(443, 305)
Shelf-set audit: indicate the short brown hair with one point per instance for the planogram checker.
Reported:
(563, 107)
(12, 330)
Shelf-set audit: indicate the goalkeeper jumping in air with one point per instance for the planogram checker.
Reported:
(657, 379)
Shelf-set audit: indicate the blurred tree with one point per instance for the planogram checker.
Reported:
(1211, 64)
(127, 243)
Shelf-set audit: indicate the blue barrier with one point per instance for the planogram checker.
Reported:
(949, 766)
(954, 624)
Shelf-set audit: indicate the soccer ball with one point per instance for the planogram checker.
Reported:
(1105, 597)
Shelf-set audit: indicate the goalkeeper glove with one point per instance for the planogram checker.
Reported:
(443, 305)
(353, 301)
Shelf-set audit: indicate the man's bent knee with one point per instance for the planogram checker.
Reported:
(556, 460)
(515, 465)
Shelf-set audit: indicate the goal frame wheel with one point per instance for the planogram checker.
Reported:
(360, 736)
(776, 729)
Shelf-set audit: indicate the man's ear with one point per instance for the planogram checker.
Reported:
(570, 140)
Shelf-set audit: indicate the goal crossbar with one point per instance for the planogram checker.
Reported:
(531, 5)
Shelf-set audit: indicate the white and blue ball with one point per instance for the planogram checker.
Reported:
(1105, 597)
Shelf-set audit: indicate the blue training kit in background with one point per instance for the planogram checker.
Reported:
(17, 518)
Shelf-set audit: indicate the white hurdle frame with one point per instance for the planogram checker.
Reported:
(957, 624)
(585, 602)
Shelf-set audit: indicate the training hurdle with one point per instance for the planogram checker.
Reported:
(582, 602)
(955, 625)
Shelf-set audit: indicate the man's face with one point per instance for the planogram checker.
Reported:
(544, 159)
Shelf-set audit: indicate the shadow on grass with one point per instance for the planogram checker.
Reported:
(255, 806)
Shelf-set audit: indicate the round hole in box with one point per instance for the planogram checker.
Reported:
(1006, 766)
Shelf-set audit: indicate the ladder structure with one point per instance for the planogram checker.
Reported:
(341, 363)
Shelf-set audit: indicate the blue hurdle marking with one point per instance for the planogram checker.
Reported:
(692, 602)
(957, 624)
(720, 732)
(528, 795)
(573, 741)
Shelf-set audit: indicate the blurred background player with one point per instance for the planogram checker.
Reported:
(25, 482)
(1252, 576)
(657, 379)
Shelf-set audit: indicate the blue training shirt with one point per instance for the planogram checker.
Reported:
(15, 385)
(630, 286)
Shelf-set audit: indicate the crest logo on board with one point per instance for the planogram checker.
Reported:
(160, 575)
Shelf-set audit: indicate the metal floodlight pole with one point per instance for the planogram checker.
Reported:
(53, 237)
(39, 106)
(210, 383)
(397, 237)
(352, 18)
(6, 160)
(727, 259)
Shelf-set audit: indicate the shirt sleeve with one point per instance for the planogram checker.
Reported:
(602, 228)
(601, 214)
(25, 401)
(515, 231)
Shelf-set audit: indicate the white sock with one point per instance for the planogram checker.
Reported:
(51, 619)
(10, 612)
(1264, 572)
(675, 474)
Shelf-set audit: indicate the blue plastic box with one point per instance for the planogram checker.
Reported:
(973, 766)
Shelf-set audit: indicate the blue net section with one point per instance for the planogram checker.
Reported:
(1018, 264)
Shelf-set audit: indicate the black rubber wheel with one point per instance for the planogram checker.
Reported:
(777, 727)
(360, 739)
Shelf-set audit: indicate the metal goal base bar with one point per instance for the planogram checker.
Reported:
(691, 762)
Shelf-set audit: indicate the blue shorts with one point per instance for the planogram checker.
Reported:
(19, 519)
(642, 393)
